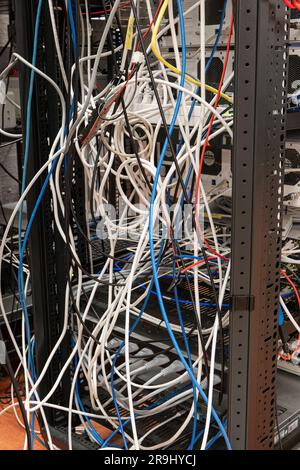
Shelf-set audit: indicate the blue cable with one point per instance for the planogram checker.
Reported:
(177, 107)
(27, 133)
(23, 185)
(117, 267)
(22, 246)
(151, 241)
(178, 103)
(92, 430)
(186, 302)
(150, 407)
(178, 308)
(115, 432)
(280, 316)
(22, 299)
(26, 154)
(186, 343)
(119, 351)
(28, 114)
(72, 26)
(215, 438)
(208, 64)
(287, 295)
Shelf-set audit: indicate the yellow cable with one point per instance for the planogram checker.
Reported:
(129, 34)
(170, 66)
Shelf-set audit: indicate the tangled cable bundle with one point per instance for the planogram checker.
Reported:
(162, 261)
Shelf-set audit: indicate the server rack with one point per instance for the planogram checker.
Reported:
(260, 89)
(258, 152)
(47, 250)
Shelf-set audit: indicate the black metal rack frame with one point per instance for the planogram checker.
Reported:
(258, 152)
(261, 28)
(46, 248)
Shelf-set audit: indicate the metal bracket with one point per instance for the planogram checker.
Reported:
(243, 302)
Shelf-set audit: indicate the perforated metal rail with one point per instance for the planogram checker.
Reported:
(259, 135)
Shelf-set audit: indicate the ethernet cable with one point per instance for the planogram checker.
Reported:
(154, 262)
(118, 296)
(170, 66)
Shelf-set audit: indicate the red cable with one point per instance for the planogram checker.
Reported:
(284, 358)
(284, 274)
(288, 4)
(298, 300)
(110, 104)
(196, 264)
(296, 4)
(207, 138)
(129, 76)
(151, 24)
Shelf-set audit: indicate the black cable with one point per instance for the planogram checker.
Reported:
(3, 213)
(150, 188)
(99, 150)
(173, 153)
(290, 270)
(113, 118)
(198, 324)
(88, 241)
(68, 198)
(7, 144)
(9, 173)
(70, 252)
(68, 202)
(6, 87)
(116, 105)
(93, 183)
(142, 168)
(94, 177)
(124, 109)
(3, 49)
